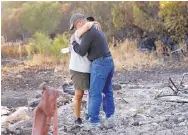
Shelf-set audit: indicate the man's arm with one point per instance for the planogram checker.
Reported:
(87, 27)
(83, 48)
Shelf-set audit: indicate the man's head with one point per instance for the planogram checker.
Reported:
(90, 19)
(77, 20)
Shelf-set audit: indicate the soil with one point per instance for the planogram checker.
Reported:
(138, 111)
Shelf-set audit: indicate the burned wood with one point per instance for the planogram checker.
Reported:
(181, 87)
(177, 99)
(182, 81)
(174, 87)
(178, 95)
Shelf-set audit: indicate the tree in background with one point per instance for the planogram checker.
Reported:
(175, 18)
(11, 24)
(29, 17)
(169, 18)
(123, 15)
(102, 12)
(40, 16)
(142, 15)
(146, 16)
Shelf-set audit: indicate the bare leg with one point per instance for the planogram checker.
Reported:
(77, 103)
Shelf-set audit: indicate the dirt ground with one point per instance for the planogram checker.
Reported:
(138, 112)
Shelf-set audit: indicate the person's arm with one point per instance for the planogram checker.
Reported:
(87, 27)
(83, 48)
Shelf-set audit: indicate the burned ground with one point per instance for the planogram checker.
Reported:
(138, 112)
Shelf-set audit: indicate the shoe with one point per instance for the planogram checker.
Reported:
(88, 125)
(109, 123)
(86, 116)
(78, 121)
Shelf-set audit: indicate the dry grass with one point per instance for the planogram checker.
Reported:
(16, 51)
(40, 59)
(43, 61)
(127, 57)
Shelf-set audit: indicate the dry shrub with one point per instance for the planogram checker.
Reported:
(184, 52)
(17, 51)
(164, 52)
(159, 47)
(2, 40)
(42, 60)
(127, 57)
(64, 64)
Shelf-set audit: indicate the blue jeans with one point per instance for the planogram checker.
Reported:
(102, 71)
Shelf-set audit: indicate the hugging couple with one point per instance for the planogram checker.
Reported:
(91, 68)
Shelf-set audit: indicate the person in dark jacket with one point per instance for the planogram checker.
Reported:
(95, 45)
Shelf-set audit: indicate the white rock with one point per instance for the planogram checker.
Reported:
(155, 124)
(16, 116)
(19, 124)
(4, 110)
(140, 117)
(19, 76)
(55, 70)
(164, 132)
(182, 124)
(181, 119)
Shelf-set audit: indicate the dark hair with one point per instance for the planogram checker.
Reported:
(90, 19)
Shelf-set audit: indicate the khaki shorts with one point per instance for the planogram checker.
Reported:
(80, 80)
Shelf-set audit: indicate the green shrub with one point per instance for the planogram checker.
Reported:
(60, 41)
(39, 44)
(31, 50)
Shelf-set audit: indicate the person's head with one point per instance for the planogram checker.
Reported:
(90, 19)
(77, 21)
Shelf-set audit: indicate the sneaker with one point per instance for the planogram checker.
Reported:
(86, 116)
(88, 125)
(109, 123)
(78, 121)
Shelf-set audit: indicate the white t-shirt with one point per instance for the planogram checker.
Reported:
(77, 62)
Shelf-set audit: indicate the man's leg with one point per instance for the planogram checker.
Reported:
(77, 103)
(87, 101)
(108, 100)
(97, 83)
(81, 83)
(86, 97)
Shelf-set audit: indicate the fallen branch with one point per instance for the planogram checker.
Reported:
(177, 99)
